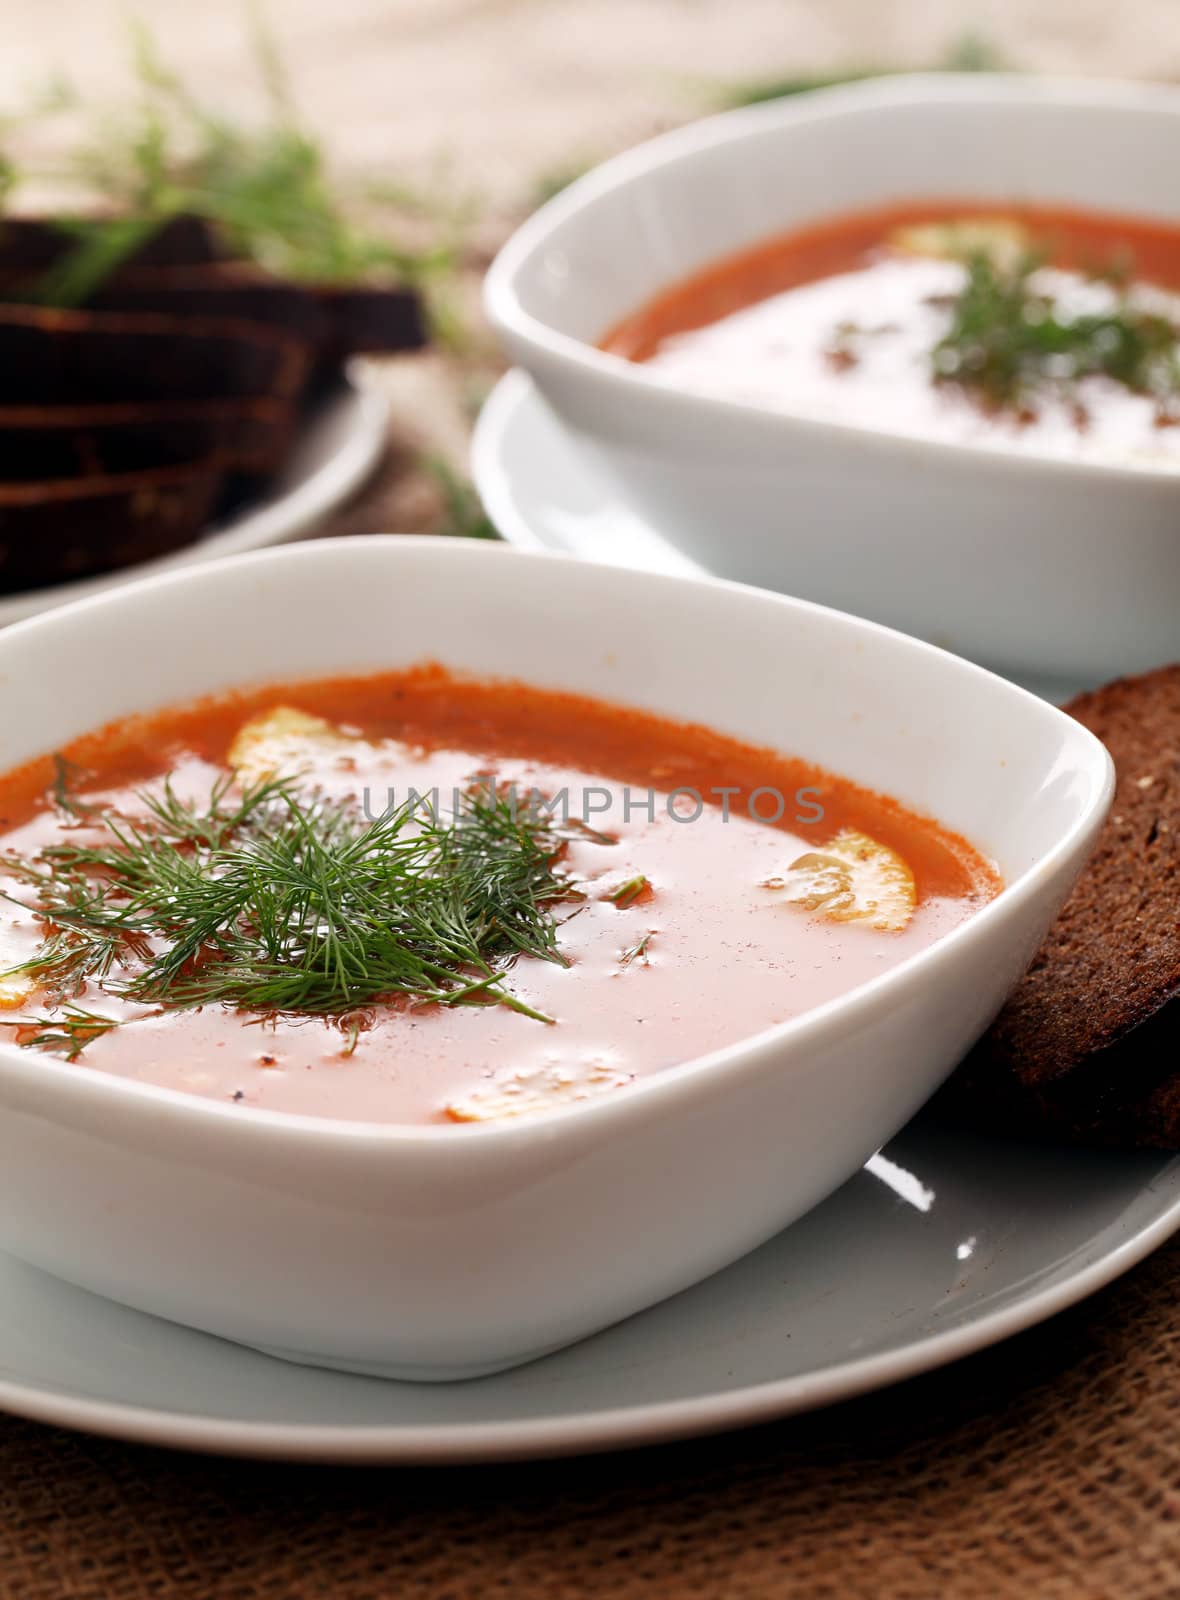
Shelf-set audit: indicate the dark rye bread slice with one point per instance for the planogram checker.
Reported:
(1088, 1046)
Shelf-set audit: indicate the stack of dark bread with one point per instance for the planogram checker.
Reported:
(131, 421)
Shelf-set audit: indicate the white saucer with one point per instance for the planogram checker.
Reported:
(945, 1244)
(544, 491)
(335, 450)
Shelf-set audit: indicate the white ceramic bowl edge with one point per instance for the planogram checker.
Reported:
(435, 1252)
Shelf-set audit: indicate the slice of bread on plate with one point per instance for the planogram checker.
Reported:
(1088, 1045)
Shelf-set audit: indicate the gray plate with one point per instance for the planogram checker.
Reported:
(944, 1244)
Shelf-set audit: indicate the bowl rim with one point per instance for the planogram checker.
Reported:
(938, 92)
(646, 1094)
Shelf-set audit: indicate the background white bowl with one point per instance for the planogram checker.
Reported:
(442, 1252)
(1032, 564)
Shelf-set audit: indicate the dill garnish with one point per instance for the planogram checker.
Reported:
(267, 190)
(66, 777)
(627, 893)
(276, 900)
(1008, 337)
(638, 950)
(69, 1032)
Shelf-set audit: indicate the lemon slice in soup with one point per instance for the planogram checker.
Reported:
(1003, 240)
(852, 879)
(532, 1089)
(282, 740)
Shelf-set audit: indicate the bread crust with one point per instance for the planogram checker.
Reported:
(1088, 1045)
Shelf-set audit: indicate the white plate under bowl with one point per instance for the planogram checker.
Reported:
(946, 1243)
(333, 452)
(544, 491)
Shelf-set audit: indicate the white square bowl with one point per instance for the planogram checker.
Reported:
(434, 1252)
(1040, 565)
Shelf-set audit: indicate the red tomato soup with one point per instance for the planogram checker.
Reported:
(1036, 329)
(199, 899)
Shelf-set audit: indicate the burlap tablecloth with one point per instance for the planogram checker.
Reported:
(1046, 1469)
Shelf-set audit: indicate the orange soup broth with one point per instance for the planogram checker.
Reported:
(705, 957)
(838, 322)
(1079, 241)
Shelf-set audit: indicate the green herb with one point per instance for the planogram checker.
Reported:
(551, 183)
(969, 53)
(637, 951)
(627, 893)
(68, 1033)
(267, 191)
(465, 517)
(67, 776)
(759, 90)
(100, 248)
(273, 901)
(973, 52)
(1007, 338)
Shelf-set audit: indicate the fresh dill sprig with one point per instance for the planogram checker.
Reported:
(463, 514)
(68, 1033)
(99, 248)
(1008, 338)
(627, 893)
(552, 182)
(638, 950)
(970, 52)
(66, 778)
(267, 189)
(277, 900)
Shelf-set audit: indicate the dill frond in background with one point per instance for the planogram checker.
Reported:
(970, 53)
(267, 189)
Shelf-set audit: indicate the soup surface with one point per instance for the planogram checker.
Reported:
(696, 890)
(1047, 331)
